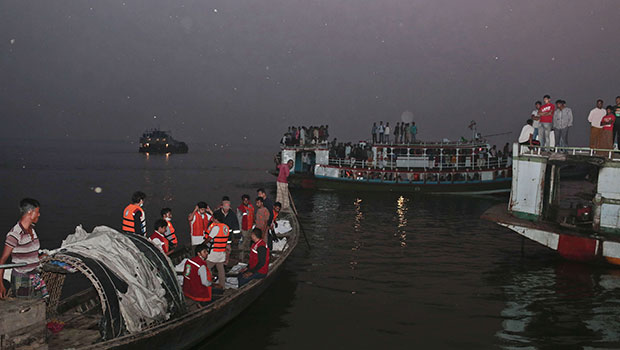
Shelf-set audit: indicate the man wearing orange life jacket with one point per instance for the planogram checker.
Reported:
(258, 266)
(245, 216)
(219, 233)
(134, 218)
(166, 214)
(158, 238)
(199, 220)
(197, 277)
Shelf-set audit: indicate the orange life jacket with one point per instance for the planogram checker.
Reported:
(128, 223)
(197, 225)
(221, 240)
(173, 237)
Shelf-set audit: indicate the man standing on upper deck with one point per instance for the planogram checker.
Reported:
(414, 131)
(386, 133)
(616, 134)
(380, 131)
(546, 120)
(374, 132)
(22, 245)
(595, 117)
(562, 120)
(282, 183)
(134, 218)
(536, 118)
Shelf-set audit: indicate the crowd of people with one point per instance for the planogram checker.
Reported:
(404, 133)
(302, 135)
(213, 233)
(557, 118)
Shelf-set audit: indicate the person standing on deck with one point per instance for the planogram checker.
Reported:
(134, 217)
(562, 121)
(158, 236)
(405, 133)
(230, 218)
(262, 218)
(22, 245)
(595, 117)
(374, 132)
(413, 131)
(396, 132)
(197, 277)
(166, 214)
(219, 233)
(386, 133)
(282, 183)
(199, 220)
(616, 135)
(267, 202)
(606, 140)
(546, 120)
(380, 131)
(245, 215)
(536, 118)
(258, 266)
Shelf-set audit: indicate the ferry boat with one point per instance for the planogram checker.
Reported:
(461, 167)
(159, 141)
(580, 219)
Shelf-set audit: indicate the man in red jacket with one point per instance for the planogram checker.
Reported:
(197, 277)
(258, 266)
(245, 216)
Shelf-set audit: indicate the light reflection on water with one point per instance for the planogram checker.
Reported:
(401, 212)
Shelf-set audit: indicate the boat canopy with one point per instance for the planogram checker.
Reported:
(135, 281)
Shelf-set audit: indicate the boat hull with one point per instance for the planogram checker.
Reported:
(308, 181)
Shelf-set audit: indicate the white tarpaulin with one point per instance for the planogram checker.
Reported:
(145, 300)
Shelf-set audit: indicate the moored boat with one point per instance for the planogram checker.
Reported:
(462, 167)
(113, 313)
(577, 218)
(159, 141)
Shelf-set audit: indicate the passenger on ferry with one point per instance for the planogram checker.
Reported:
(386, 133)
(158, 236)
(261, 219)
(536, 118)
(616, 135)
(546, 120)
(413, 130)
(596, 115)
(267, 202)
(229, 218)
(562, 121)
(219, 233)
(134, 218)
(397, 132)
(527, 134)
(606, 140)
(282, 182)
(380, 131)
(245, 215)
(22, 246)
(258, 266)
(197, 277)
(166, 214)
(374, 132)
(199, 220)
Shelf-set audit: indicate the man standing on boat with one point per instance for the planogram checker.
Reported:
(374, 132)
(219, 233)
(562, 120)
(536, 118)
(546, 120)
(380, 131)
(282, 183)
(198, 222)
(166, 215)
(595, 117)
(262, 218)
(22, 245)
(245, 215)
(230, 219)
(134, 218)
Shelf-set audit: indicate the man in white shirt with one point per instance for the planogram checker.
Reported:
(527, 135)
(562, 121)
(536, 118)
(595, 117)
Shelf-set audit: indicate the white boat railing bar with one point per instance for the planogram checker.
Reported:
(546, 151)
(461, 163)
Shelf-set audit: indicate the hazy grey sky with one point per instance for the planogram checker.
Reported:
(227, 69)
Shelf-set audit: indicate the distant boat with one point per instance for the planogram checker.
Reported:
(578, 219)
(159, 141)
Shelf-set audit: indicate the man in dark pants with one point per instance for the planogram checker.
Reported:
(616, 137)
(267, 202)
(258, 265)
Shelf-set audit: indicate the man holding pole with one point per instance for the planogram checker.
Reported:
(282, 183)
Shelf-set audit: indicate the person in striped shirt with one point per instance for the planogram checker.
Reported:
(22, 245)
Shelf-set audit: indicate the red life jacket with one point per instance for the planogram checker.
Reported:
(248, 216)
(173, 237)
(159, 236)
(192, 285)
(128, 223)
(197, 225)
(221, 240)
(254, 257)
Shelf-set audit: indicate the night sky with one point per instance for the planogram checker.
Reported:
(225, 70)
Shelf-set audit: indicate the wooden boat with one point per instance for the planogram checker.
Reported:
(578, 219)
(84, 317)
(463, 167)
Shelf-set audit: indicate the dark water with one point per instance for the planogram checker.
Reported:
(384, 271)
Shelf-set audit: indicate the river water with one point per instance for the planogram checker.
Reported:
(382, 271)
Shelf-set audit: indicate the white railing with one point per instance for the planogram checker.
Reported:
(462, 163)
(546, 151)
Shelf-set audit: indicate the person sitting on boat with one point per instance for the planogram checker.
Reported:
(158, 236)
(258, 265)
(22, 245)
(199, 220)
(197, 276)
(219, 233)
(527, 134)
(166, 214)
(134, 218)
